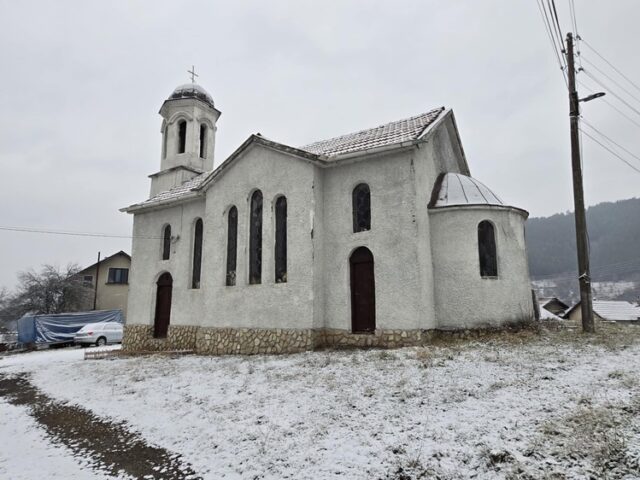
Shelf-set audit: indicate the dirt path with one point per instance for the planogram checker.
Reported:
(107, 446)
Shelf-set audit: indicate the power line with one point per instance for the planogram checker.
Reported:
(612, 152)
(600, 270)
(593, 90)
(556, 22)
(574, 20)
(554, 45)
(611, 65)
(610, 90)
(611, 79)
(610, 140)
(75, 234)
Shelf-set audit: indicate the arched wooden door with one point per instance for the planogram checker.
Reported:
(163, 306)
(363, 291)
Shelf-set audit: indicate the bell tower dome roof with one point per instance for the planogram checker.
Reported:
(192, 90)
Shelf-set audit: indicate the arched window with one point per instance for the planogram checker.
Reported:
(166, 242)
(197, 254)
(487, 249)
(232, 245)
(203, 141)
(182, 136)
(361, 208)
(255, 239)
(281, 240)
(165, 134)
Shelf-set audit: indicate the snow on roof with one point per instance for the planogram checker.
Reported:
(191, 90)
(389, 134)
(458, 189)
(175, 192)
(546, 314)
(399, 131)
(616, 310)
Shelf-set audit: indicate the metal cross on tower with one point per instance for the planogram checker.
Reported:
(193, 74)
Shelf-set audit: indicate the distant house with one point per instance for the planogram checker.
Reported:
(553, 305)
(547, 314)
(614, 311)
(109, 279)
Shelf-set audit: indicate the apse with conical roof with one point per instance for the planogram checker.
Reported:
(188, 137)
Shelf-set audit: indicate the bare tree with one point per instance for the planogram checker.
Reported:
(51, 290)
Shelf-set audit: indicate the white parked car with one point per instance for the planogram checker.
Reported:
(99, 334)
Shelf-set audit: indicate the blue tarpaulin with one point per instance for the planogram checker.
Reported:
(60, 328)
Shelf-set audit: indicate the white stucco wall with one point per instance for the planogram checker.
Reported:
(268, 305)
(393, 241)
(147, 264)
(463, 298)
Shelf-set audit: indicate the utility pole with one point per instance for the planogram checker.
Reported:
(584, 277)
(95, 291)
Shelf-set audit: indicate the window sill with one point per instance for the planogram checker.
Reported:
(490, 278)
(117, 283)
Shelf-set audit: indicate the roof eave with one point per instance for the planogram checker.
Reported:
(319, 160)
(479, 206)
(426, 134)
(193, 194)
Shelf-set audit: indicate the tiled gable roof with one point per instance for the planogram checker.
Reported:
(392, 133)
(175, 192)
(388, 134)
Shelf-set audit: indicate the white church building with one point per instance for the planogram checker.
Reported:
(378, 237)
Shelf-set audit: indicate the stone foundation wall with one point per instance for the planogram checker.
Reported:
(140, 338)
(381, 338)
(251, 341)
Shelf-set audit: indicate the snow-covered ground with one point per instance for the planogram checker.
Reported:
(513, 406)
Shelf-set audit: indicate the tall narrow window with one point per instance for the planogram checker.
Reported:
(203, 141)
(232, 245)
(166, 242)
(255, 239)
(182, 136)
(165, 133)
(487, 249)
(197, 254)
(361, 208)
(281, 240)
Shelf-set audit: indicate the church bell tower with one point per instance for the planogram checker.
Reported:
(188, 136)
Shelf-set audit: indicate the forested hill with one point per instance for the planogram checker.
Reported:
(614, 235)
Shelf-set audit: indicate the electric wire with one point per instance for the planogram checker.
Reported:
(610, 140)
(610, 90)
(554, 46)
(612, 152)
(611, 79)
(574, 20)
(611, 65)
(599, 270)
(611, 105)
(70, 233)
(556, 22)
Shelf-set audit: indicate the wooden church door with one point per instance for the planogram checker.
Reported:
(163, 306)
(363, 292)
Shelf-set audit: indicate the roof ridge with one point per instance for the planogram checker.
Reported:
(362, 134)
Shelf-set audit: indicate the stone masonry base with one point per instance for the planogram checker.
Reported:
(251, 341)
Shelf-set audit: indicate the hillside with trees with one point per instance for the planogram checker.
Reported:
(614, 237)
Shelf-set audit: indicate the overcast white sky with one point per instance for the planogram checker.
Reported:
(82, 83)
